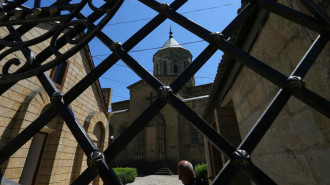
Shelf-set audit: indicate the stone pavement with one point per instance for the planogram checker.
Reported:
(157, 180)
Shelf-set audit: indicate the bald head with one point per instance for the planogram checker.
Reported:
(186, 172)
(185, 165)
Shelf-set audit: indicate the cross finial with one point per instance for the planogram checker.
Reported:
(151, 98)
(171, 32)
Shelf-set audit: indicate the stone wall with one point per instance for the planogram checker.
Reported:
(119, 123)
(107, 94)
(295, 149)
(192, 151)
(200, 90)
(122, 105)
(26, 100)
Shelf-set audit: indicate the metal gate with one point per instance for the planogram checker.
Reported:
(35, 66)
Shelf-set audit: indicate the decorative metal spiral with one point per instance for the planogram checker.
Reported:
(68, 28)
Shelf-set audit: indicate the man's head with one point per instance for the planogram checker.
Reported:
(186, 172)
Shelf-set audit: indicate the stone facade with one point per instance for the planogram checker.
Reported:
(168, 136)
(53, 155)
(295, 150)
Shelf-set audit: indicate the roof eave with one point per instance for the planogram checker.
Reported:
(228, 68)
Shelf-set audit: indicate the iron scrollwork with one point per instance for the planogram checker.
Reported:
(9, 16)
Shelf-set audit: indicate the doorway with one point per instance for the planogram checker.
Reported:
(32, 163)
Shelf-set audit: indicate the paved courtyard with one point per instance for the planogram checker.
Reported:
(157, 180)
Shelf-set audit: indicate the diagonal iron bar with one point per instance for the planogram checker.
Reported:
(275, 107)
(313, 100)
(310, 98)
(46, 53)
(219, 141)
(316, 11)
(214, 137)
(138, 69)
(239, 157)
(239, 19)
(113, 58)
(265, 121)
(61, 57)
(192, 68)
(24, 136)
(129, 44)
(131, 132)
(295, 16)
(77, 130)
(88, 146)
(229, 170)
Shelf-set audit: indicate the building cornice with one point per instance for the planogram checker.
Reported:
(228, 68)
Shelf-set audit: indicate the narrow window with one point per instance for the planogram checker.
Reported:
(58, 74)
(185, 64)
(194, 135)
(157, 70)
(175, 67)
(165, 67)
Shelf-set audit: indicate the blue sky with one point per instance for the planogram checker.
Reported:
(214, 15)
(211, 14)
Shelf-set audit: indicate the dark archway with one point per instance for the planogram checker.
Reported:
(226, 124)
(150, 144)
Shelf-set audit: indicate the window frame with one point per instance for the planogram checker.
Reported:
(53, 71)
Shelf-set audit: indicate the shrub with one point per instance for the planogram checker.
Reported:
(126, 175)
(201, 173)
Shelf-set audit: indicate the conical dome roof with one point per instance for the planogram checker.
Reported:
(171, 43)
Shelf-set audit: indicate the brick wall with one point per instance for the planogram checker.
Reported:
(25, 101)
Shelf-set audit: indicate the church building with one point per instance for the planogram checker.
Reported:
(168, 137)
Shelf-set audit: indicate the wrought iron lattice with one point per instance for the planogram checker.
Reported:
(13, 13)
